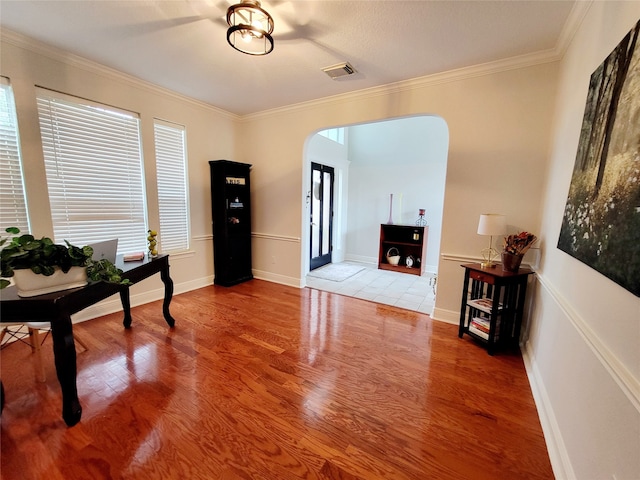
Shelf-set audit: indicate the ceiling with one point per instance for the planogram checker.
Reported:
(181, 44)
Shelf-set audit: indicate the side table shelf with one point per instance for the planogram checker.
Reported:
(493, 305)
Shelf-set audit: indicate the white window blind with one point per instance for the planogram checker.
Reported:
(93, 162)
(13, 203)
(171, 164)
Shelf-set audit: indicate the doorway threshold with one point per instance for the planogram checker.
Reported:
(401, 290)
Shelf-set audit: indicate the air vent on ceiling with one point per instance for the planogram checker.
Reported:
(339, 70)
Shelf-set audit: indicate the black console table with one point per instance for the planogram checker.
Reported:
(58, 307)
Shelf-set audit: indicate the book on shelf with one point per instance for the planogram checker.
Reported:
(484, 304)
(476, 331)
(481, 324)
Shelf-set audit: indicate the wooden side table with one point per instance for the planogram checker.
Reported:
(493, 305)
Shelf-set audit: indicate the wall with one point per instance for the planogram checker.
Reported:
(406, 157)
(210, 135)
(332, 154)
(498, 122)
(583, 347)
(583, 352)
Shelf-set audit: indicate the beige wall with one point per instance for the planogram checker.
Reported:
(583, 353)
(499, 138)
(513, 134)
(210, 135)
(498, 126)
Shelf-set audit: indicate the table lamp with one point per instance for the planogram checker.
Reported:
(491, 224)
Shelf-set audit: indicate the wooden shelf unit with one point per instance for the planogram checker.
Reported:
(493, 305)
(410, 241)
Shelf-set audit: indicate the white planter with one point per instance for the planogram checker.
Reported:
(30, 284)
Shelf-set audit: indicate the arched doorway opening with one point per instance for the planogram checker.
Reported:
(406, 157)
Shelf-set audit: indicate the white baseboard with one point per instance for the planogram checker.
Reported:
(277, 278)
(558, 456)
(113, 303)
(446, 316)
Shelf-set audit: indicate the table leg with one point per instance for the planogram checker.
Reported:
(126, 306)
(64, 351)
(168, 295)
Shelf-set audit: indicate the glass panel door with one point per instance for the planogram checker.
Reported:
(321, 215)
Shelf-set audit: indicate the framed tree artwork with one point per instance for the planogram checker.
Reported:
(601, 222)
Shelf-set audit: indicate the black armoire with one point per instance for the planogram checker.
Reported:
(231, 212)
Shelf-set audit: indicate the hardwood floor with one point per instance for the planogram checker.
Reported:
(263, 381)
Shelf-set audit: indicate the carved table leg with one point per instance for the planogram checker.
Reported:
(64, 351)
(168, 295)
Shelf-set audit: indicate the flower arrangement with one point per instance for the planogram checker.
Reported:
(519, 244)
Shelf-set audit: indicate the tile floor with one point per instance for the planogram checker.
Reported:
(381, 286)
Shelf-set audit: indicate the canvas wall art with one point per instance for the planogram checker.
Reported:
(601, 222)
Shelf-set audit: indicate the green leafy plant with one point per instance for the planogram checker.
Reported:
(42, 256)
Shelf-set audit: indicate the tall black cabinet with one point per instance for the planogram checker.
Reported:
(231, 212)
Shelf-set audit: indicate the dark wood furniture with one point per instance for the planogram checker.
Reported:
(409, 241)
(58, 307)
(231, 213)
(492, 306)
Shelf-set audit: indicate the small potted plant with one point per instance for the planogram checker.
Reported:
(41, 266)
(514, 248)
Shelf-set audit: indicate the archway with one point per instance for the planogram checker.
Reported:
(406, 157)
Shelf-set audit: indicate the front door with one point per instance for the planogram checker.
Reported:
(321, 215)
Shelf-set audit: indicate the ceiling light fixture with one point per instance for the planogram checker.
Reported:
(250, 28)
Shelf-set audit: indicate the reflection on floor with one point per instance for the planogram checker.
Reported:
(392, 288)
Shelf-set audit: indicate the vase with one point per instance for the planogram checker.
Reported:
(511, 262)
(30, 284)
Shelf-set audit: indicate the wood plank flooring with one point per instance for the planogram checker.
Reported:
(263, 381)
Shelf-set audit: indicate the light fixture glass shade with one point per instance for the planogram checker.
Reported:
(491, 224)
(250, 28)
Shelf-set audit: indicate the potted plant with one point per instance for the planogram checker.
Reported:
(49, 267)
(514, 248)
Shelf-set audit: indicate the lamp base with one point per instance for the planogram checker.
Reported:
(488, 265)
(488, 257)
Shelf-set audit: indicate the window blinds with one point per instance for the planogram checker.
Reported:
(94, 170)
(172, 186)
(13, 204)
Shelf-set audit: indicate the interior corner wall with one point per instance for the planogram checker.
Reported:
(583, 351)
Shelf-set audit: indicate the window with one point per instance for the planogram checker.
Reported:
(335, 134)
(13, 203)
(171, 164)
(93, 162)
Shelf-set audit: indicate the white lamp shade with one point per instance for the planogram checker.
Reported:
(492, 224)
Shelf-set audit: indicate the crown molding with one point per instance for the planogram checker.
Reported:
(513, 63)
(575, 19)
(35, 46)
